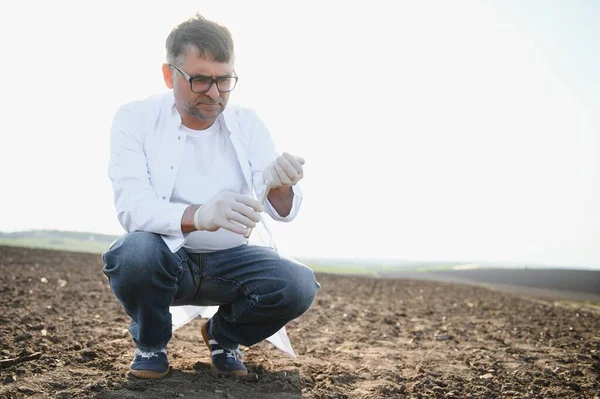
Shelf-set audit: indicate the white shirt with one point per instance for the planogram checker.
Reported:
(209, 166)
(146, 152)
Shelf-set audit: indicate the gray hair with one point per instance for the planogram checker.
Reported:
(208, 37)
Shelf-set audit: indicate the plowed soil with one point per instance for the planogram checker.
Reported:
(63, 334)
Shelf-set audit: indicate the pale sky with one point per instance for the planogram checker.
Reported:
(432, 130)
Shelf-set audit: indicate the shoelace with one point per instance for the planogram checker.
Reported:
(237, 354)
(149, 355)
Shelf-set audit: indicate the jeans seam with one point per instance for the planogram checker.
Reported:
(178, 272)
(249, 304)
(247, 292)
(223, 280)
(200, 277)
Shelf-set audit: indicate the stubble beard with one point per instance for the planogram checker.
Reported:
(194, 111)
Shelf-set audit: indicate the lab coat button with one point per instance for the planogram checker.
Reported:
(164, 197)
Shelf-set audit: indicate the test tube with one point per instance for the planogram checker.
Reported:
(262, 199)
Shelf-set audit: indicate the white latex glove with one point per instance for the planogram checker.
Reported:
(233, 212)
(286, 170)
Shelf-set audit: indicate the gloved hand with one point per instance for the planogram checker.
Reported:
(286, 170)
(233, 212)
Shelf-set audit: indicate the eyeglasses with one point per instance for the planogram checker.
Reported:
(202, 84)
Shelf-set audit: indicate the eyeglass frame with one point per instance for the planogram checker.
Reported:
(213, 81)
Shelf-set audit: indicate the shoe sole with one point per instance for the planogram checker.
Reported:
(148, 375)
(236, 373)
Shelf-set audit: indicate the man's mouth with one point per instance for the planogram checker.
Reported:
(209, 104)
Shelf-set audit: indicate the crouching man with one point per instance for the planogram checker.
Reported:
(183, 168)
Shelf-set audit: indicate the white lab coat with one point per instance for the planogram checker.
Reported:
(146, 149)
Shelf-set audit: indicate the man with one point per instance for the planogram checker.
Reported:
(184, 169)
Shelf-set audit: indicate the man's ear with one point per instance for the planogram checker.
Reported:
(168, 75)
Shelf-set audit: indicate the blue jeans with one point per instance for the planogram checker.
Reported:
(257, 291)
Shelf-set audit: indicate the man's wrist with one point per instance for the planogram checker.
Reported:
(281, 192)
(187, 221)
(282, 199)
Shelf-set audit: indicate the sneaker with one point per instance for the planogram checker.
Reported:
(150, 365)
(226, 361)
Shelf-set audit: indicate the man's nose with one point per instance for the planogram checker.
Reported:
(213, 91)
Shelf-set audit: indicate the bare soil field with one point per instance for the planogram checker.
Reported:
(63, 334)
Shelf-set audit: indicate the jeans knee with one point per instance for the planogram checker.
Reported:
(133, 258)
(302, 291)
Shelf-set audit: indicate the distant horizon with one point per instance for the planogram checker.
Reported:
(366, 261)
